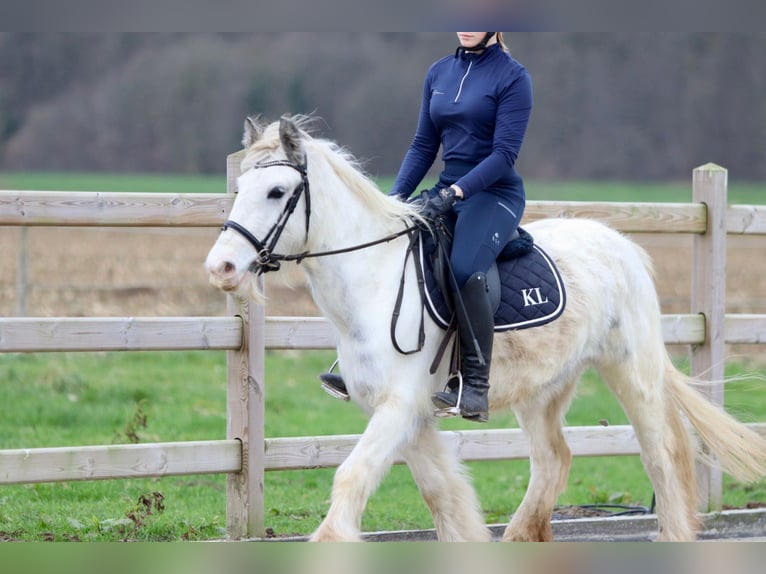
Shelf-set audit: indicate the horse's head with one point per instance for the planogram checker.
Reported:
(271, 211)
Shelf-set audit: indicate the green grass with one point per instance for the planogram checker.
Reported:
(124, 182)
(89, 399)
(103, 398)
(678, 192)
(746, 193)
(71, 399)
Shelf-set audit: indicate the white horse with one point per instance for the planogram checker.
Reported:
(611, 322)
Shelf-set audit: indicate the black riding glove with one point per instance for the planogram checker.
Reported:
(440, 203)
(418, 200)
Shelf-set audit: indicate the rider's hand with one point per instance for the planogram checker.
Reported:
(440, 203)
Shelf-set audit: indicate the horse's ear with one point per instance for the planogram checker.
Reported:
(253, 131)
(291, 138)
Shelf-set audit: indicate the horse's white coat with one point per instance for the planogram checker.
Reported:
(612, 322)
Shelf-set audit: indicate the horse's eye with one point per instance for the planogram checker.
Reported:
(276, 192)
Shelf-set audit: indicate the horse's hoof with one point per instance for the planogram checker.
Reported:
(331, 535)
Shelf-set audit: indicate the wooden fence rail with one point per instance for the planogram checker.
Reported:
(245, 455)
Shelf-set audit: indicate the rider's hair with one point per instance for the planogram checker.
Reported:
(501, 42)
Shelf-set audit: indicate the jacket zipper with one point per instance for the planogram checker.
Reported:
(460, 88)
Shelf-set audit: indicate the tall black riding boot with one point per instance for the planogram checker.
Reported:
(474, 404)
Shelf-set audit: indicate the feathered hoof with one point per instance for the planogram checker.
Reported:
(543, 533)
(328, 534)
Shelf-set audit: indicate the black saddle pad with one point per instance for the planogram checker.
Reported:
(532, 292)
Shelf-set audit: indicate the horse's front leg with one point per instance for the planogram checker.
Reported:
(391, 426)
(446, 488)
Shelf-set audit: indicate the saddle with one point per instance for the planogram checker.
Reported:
(525, 287)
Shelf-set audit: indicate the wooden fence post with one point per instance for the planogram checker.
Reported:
(22, 272)
(245, 407)
(708, 297)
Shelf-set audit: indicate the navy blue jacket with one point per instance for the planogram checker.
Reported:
(477, 108)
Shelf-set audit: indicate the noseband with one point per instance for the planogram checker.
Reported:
(265, 259)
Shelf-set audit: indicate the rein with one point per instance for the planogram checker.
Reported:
(266, 260)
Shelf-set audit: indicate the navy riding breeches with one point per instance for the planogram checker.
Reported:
(485, 224)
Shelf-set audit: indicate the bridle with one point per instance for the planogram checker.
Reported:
(265, 259)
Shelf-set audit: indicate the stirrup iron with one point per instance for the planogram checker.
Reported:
(331, 389)
(449, 412)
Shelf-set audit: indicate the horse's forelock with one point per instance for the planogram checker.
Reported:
(267, 145)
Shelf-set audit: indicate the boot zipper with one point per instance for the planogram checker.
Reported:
(460, 88)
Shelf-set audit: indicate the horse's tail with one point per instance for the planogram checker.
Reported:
(741, 452)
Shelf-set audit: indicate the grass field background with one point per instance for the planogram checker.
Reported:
(105, 398)
(68, 399)
(741, 192)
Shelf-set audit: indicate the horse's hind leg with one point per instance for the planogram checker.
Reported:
(666, 448)
(549, 461)
(445, 488)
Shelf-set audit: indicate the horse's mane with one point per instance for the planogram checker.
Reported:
(342, 163)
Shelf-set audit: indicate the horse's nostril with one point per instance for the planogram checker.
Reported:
(227, 268)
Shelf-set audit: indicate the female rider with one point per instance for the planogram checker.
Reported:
(476, 105)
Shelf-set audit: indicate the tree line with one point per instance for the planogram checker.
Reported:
(607, 105)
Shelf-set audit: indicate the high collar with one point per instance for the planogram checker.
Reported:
(467, 55)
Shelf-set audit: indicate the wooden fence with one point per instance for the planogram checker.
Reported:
(245, 455)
